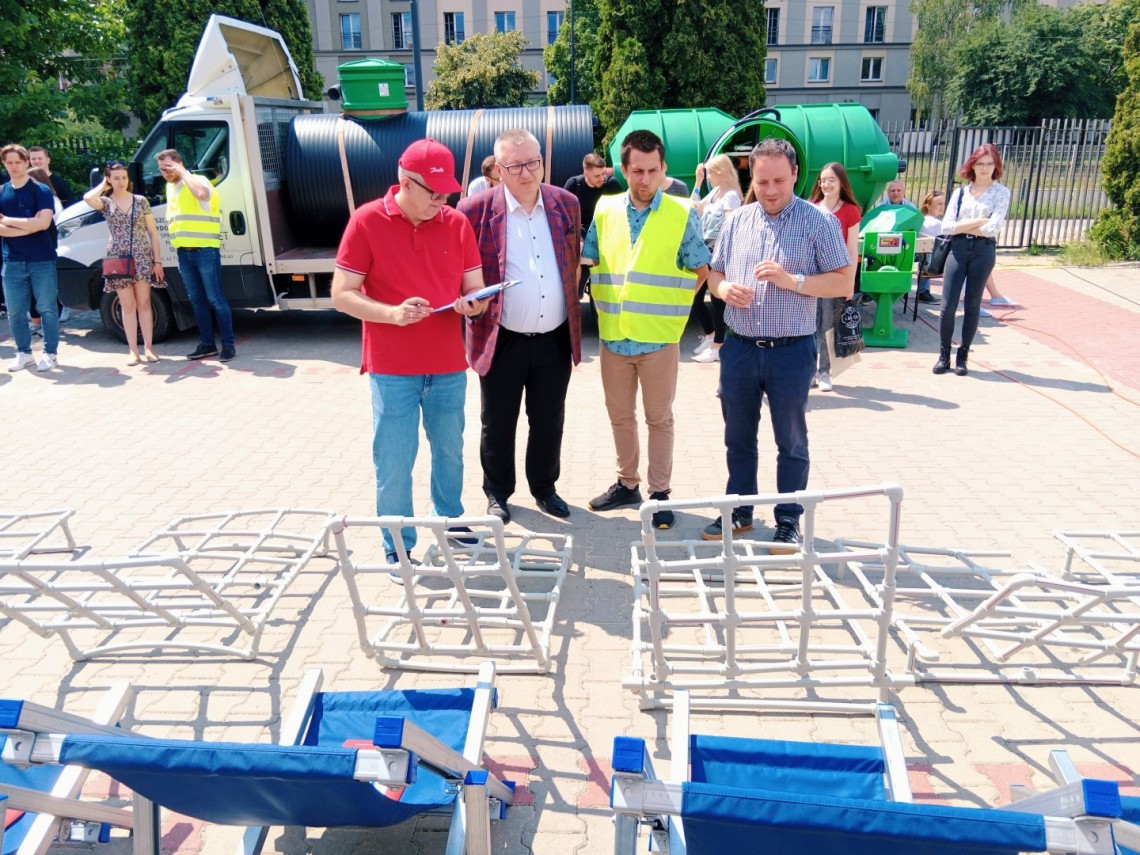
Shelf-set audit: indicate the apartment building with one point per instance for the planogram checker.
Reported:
(344, 30)
(840, 50)
(818, 52)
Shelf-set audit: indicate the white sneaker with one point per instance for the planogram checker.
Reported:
(824, 382)
(703, 344)
(64, 314)
(1002, 301)
(47, 362)
(982, 313)
(22, 361)
(36, 330)
(711, 354)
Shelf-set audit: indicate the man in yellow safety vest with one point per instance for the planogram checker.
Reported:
(648, 258)
(194, 218)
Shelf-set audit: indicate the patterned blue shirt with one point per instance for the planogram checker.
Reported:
(691, 254)
(801, 239)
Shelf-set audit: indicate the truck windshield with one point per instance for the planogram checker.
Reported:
(204, 147)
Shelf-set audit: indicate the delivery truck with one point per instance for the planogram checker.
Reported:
(288, 173)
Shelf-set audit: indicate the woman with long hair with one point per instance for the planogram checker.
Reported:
(974, 216)
(132, 231)
(833, 193)
(713, 208)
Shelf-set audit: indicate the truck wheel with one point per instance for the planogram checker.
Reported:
(111, 312)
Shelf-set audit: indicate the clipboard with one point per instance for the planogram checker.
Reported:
(482, 293)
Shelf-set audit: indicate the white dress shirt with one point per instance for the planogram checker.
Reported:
(538, 304)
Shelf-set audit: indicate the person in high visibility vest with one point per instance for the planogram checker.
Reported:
(194, 220)
(648, 259)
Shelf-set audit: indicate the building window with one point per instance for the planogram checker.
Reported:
(819, 69)
(872, 71)
(821, 20)
(409, 76)
(401, 30)
(350, 32)
(504, 22)
(553, 24)
(773, 26)
(453, 28)
(875, 31)
(771, 66)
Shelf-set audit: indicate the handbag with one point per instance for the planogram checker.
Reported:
(123, 266)
(848, 326)
(937, 261)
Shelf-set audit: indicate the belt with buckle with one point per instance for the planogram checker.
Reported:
(768, 342)
(977, 237)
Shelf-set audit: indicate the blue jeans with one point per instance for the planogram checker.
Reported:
(970, 262)
(396, 404)
(22, 279)
(747, 373)
(201, 272)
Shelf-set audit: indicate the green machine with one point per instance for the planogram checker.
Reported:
(887, 236)
(819, 133)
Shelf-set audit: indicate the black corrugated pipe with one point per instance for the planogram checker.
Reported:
(315, 185)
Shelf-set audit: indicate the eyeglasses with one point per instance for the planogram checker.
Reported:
(517, 168)
(435, 197)
(988, 163)
(829, 180)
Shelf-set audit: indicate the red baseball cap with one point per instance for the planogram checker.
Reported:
(433, 162)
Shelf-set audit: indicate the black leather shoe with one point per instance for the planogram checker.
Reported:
(927, 297)
(554, 505)
(498, 508)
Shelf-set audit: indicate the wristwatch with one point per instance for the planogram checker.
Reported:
(799, 277)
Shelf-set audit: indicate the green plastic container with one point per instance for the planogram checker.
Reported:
(688, 136)
(372, 84)
(820, 133)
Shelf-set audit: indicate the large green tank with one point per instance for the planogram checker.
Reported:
(820, 133)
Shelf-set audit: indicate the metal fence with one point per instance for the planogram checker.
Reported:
(1053, 171)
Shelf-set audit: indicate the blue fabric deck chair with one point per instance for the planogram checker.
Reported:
(38, 795)
(1126, 830)
(358, 759)
(732, 795)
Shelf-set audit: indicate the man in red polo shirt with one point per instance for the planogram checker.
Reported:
(400, 258)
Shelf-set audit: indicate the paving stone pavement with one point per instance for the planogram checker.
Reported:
(1042, 435)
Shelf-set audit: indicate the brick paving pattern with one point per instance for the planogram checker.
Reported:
(990, 461)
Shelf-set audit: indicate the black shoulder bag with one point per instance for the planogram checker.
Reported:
(941, 251)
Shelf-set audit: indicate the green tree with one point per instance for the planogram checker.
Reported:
(1036, 66)
(1104, 30)
(677, 53)
(59, 59)
(556, 57)
(1117, 231)
(940, 28)
(162, 36)
(481, 71)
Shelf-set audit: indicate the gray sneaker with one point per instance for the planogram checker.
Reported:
(617, 496)
(788, 533)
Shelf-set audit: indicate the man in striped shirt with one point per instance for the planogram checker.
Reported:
(773, 259)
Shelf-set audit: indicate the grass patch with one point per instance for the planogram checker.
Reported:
(1083, 253)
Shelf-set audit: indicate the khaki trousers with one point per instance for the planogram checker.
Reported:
(657, 374)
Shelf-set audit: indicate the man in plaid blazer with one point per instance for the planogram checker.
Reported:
(530, 337)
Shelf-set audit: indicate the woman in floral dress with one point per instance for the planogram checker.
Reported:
(121, 208)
